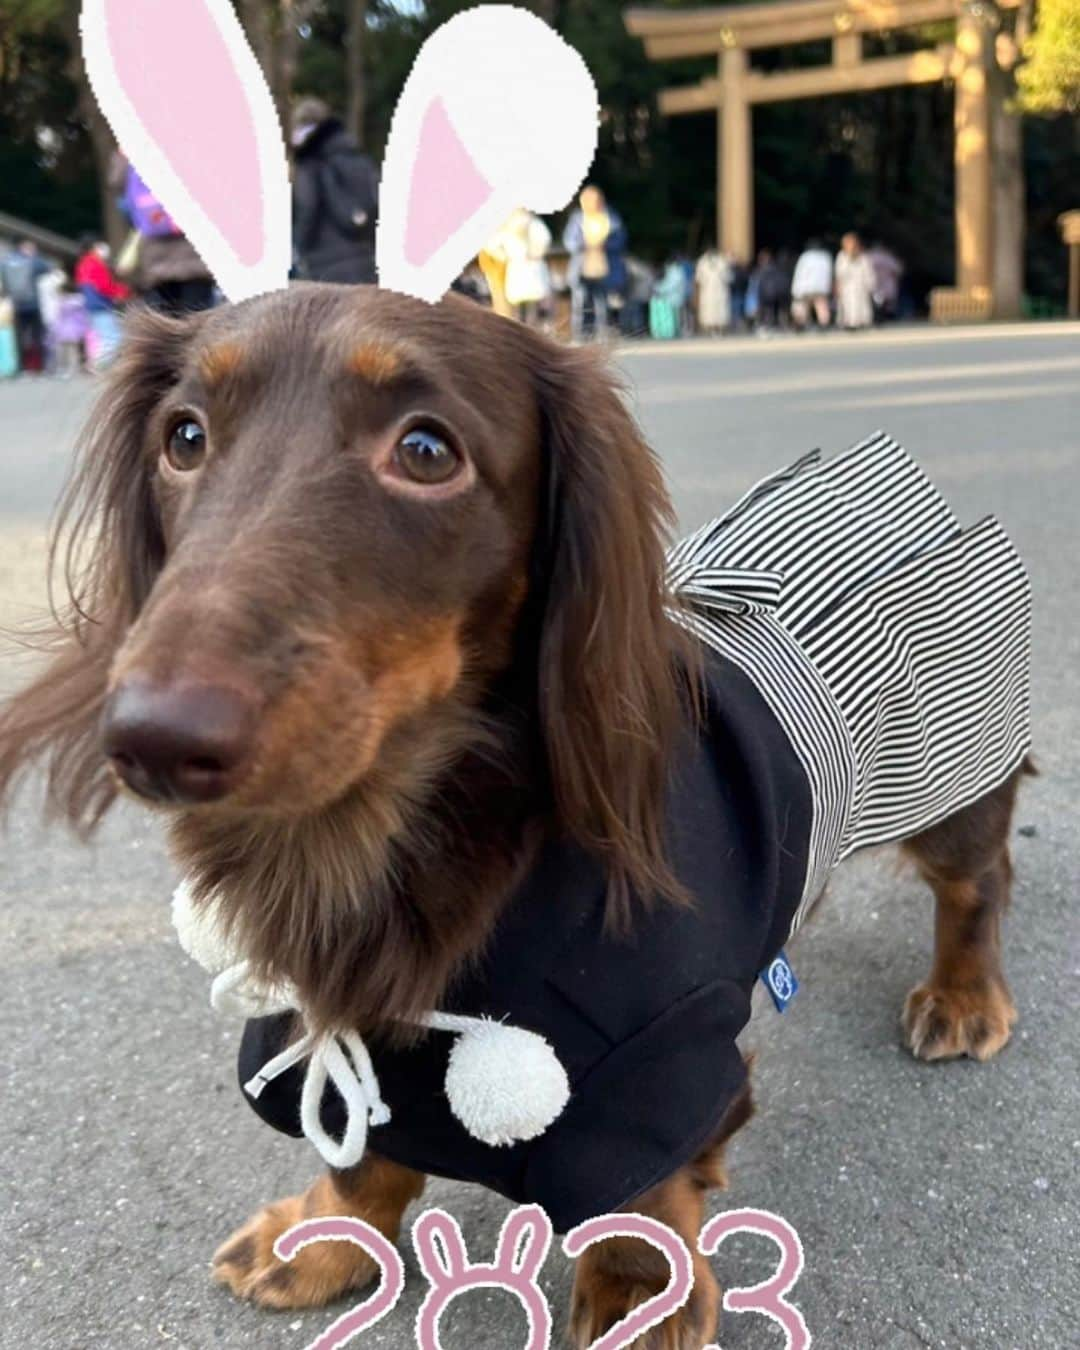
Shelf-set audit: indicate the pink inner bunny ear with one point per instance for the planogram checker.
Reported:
(189, 106)
(446, 188)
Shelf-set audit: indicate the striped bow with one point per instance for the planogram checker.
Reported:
(725, 590)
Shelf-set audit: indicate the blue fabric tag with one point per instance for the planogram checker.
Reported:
(779, 979)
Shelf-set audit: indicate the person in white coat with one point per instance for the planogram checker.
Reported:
(854, 285)
(812, 286)
(524, 241)
(712, 276)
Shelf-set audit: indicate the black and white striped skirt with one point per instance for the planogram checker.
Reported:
(892, 645)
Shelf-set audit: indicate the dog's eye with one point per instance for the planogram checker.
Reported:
(426, 457)
(186, 445)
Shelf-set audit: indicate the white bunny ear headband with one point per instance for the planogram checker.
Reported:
(497, 112)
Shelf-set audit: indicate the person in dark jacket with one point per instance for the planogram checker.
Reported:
(773, 288)
(595, 237)
(20, 272)
(335, 198)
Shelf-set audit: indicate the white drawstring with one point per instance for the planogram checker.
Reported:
(359, 1089)
(235, 993)
(274, 1068)
(504, 1083)
(452, 1022)
(353, 1075)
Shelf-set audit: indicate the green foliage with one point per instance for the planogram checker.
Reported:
(46, 165)
(1049, 79)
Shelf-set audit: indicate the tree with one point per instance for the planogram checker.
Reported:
(46, 150)
(273, 28)
(878, 161)
(1049, 79)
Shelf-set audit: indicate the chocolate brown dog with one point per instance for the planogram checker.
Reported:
(373, 604)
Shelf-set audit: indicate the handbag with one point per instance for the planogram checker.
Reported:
(127, 260)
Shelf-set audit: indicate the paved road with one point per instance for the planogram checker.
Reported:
(938, 1205)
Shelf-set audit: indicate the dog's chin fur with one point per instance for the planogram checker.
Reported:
(368, 906)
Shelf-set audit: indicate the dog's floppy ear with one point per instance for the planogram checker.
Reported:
(107, 548)
(613, 667)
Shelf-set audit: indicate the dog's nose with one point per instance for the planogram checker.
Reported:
(179, 743)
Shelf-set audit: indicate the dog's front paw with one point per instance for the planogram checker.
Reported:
(319, 1272)
(946, 1023)
(603, 1297)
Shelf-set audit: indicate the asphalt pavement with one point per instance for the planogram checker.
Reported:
(938, 1205)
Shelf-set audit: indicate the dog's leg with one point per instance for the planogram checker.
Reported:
(965, 1007)
(377, 1191)
(619, 1274)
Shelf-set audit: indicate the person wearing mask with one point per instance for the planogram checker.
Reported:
(854, 285)
(335, 199)
(595, 238)
(812, 286)
(20, 271)
(103, 295)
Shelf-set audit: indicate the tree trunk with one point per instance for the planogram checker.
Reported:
(286, 47)
(102, 141)
(272, 33)
(550, 11)
(255, 16)
(355, 34)
(101, 138)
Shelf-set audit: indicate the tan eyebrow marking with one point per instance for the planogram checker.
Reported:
(218, 363)
(376, 363)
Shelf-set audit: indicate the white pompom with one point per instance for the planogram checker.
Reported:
(200, 933)
(504, 1083)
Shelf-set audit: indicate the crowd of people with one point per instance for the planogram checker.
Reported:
(604, 288)
(66, 319)
(54, 319)
(522, 274)
(58, 320)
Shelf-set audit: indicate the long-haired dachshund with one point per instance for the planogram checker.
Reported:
(370, 601)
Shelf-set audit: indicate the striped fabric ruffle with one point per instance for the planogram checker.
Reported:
(892, 645)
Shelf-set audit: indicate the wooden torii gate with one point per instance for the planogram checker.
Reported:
(987, 270)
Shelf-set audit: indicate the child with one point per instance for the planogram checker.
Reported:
(69, 332)
(103, 294)
(49, 287)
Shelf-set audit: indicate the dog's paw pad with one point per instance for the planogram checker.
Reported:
(948, 1023)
